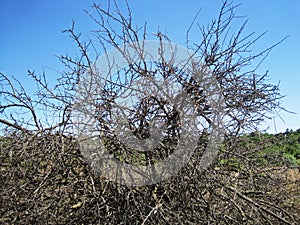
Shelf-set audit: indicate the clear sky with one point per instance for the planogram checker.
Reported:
(30, 36)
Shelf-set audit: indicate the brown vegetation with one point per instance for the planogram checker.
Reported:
(46, 179)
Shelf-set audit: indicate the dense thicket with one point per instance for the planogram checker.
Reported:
(45, 179)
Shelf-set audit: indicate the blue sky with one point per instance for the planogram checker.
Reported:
(30, 36)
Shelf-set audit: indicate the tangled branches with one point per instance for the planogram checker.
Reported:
(44, 172)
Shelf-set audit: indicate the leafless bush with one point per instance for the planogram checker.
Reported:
(44, 176)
